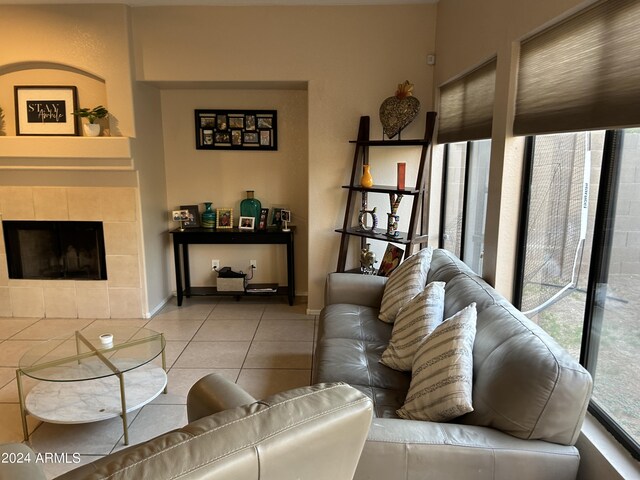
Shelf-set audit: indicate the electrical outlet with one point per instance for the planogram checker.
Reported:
(254, 264)
(215, 264)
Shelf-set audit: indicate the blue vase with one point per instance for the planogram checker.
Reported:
(208, 216)
(250, 207)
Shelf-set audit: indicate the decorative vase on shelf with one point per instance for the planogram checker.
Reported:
(366, 180)
(208, 216)
(250, 207)
(91, 129)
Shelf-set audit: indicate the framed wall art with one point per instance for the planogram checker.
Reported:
(236, 129)
(46, 110)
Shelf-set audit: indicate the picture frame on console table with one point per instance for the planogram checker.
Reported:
(236, 129)
(193, 218)
(224, 218)
(46, 110)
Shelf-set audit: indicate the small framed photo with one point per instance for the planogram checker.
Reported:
(285, 215)
(224, 217)
(42, 110)
(276, 217)
(265, 137)
(180, 215)
(236, 122)
(246, 223)
(264, 219)
(193, 216)
(250, 137)
(390, 261)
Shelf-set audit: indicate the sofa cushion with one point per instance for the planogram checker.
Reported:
(414, 322)
(357, 362)
(344, 320)
(441, 381)
(405, 282)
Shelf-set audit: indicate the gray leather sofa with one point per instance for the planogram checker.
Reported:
(313, 433)
(529, 394)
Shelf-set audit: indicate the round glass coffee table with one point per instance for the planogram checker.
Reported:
(86, 378)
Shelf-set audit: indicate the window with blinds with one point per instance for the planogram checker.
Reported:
(582, 74)
(466, 106)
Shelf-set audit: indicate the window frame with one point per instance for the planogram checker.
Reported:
(601, 250)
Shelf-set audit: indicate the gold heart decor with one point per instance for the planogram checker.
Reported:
(399, 111)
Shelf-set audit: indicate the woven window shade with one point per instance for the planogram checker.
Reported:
(583, 73)
(466, 106)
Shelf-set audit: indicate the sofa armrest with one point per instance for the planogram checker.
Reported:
(365, 290)
(19, 461)
(212, 394)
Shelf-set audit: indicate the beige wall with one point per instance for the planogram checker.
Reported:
(93, 39)
(279, 178)
(469, 33)
(351, 57)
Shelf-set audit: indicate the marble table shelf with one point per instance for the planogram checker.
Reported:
(94, 400)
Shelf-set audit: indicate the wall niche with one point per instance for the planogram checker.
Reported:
(91, 89)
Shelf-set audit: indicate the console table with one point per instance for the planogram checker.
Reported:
(183, 238)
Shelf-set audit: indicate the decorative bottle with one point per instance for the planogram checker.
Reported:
(208, 216)
(366, 180)
(250, 207)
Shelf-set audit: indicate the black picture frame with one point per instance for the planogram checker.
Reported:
(236, 129)
(193, 219)
(264, 219)
(46, 110)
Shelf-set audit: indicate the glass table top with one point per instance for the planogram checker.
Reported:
(82, 355)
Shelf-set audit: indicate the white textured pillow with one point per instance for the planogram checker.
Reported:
(414, 322)
(404, 283)
(442, 378)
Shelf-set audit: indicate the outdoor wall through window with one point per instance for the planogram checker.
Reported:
(580, 261)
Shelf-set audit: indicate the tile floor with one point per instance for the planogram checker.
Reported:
(264, 345)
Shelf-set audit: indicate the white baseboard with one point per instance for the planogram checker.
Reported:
(158, 307)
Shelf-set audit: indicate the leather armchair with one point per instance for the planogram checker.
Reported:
(312, 432)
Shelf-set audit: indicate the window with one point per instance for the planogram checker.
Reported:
(580, 261)
(477, 187)
(578, 267)
(464, 200)
(455, 159)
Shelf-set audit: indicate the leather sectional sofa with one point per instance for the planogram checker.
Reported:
(315, 433)
(529, 395)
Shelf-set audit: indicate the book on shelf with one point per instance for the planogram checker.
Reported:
(262, 288)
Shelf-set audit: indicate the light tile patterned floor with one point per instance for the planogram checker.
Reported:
(264, 345)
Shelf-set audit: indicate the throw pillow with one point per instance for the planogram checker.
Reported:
(414, 322)
(404, 283)
(441, 382)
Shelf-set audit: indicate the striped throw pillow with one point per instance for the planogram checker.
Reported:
(414, 322)
(404, 283)
(442, 377)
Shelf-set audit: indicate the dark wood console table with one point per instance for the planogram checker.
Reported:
(231, 236)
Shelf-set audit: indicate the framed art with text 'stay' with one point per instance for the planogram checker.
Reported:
(236, 129)
(46, 110)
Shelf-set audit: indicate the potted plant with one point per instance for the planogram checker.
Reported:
(92, 129)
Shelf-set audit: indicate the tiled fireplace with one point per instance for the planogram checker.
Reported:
(119, 296)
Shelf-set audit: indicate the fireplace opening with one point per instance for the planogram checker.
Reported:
(50, 250)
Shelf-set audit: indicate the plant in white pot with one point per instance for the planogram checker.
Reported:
(92, 129)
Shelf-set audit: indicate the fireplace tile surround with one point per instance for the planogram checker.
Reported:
(121, 296)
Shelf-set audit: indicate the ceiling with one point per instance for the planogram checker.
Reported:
(144, 3)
